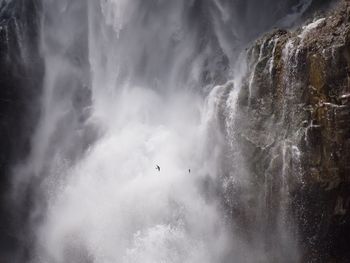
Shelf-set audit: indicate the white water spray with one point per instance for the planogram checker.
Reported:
(123, 92)
(108, 203)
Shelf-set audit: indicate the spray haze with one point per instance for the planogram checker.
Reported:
(131, 84)
(111, 204)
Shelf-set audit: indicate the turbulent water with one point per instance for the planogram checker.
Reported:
(131, 84)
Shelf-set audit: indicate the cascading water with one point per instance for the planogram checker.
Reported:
(128, 86)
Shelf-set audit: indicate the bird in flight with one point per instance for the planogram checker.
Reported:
(158, 168)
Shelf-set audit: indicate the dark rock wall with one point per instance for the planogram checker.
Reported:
(21, 73)
(293, 128)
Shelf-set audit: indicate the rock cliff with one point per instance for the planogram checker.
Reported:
(293, 125)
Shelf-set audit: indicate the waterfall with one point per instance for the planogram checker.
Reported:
(130, 85)
(120, 99)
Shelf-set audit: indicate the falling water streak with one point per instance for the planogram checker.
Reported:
(284, 189)
(231, 102)
(288, 67)
(272, 59)
(289, 58)
(288, 54)
(252, 77)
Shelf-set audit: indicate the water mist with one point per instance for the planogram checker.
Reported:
(131, 84)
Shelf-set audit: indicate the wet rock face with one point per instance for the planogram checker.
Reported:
(21, 71)
(294, 123)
